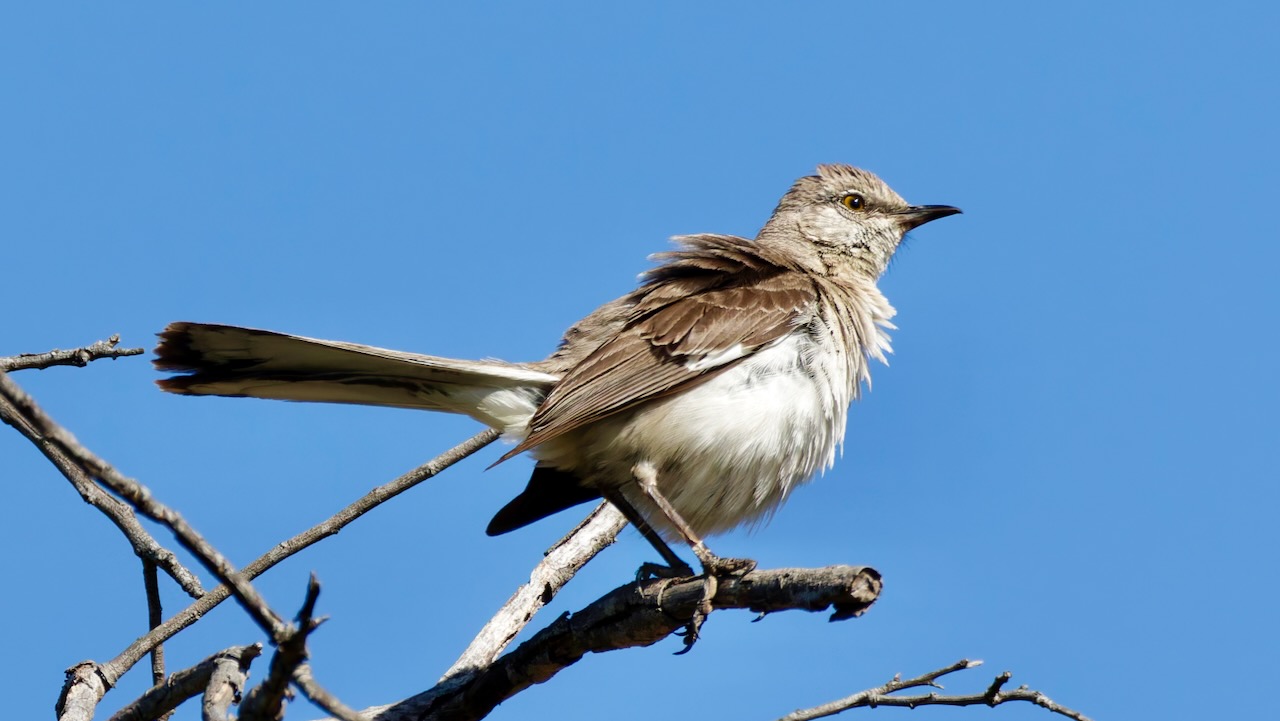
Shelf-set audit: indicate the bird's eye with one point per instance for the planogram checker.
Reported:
(854, 201)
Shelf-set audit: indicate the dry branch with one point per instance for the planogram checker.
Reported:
(116, 667)
(880, 696)
(81, 691)
(75, 357)
(143, 544)
(559, 564)
(265, 702)
(226, 681)
(163, 698)
(91, 681)
(317, 695)
(155, 616)
(637, 614)
(141, 499)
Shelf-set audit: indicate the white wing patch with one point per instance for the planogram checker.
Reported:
(718, 358)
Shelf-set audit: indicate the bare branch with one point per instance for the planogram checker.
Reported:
(87, 682)
(83, 688)
(596, 532)
(895, 684)
(879, 696)
(76, 357)
(226, 681)
(116, 667)
(155, 616)
(265, 702)
(140, 498)
(144, 545)
(317, 695)
(163, 698)
(637, 614)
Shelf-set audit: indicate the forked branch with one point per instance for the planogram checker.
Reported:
(636, 614)
(882, 696)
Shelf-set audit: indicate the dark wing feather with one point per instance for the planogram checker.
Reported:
(716, 294)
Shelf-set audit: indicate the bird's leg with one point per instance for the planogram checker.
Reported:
(675, 567)
(713, 566)
(647, 476)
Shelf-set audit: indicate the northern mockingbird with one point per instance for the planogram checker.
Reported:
(696, 403)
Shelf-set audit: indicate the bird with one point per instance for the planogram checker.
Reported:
(696, 403)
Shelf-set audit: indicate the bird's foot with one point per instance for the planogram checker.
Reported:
(649, 571)
(718, 566)
(713, 569)
(714, 565)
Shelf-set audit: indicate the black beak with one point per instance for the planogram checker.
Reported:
(918, 215)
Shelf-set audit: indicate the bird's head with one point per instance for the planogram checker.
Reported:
(846, 215)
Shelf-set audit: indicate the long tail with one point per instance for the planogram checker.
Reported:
(225, 360)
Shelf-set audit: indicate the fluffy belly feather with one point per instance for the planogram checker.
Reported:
(729, 451)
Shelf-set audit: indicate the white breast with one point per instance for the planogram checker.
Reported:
(730, 450)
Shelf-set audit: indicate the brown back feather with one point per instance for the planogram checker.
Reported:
(715, 293)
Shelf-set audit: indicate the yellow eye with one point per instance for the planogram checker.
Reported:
(854, 201)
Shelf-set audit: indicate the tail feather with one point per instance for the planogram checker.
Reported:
(549, 491)
(226, 360)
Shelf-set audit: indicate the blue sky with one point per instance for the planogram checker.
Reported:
(1069, 470)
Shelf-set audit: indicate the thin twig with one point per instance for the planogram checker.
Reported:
(143, 544)
(564, 559)
(155, 616)
(880, 696)
(265, 701)
(226, 682)
(141, 499)
(75, 357)
(319, 696)
(88, 682)
(116, 667)
(160, 700)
